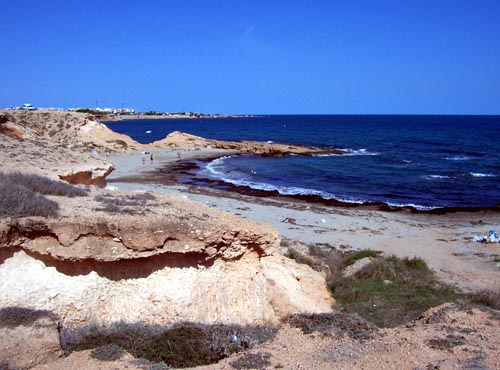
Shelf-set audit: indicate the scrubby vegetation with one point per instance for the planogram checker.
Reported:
(121, 143)
(109, 352)
(18, 201)
(294, 254)
(183, 345)
(135, 204)
(252, 361)
(487, 297)
(334, 324)
(319, 257)
(43, 185)
(22, 195)
(353, 257)
(390, 291)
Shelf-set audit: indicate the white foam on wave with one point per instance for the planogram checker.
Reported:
(459, 176)
(434, 177)
(416, 206)
(212, 166)
(361, 152)
(293, 190)
(457, 158)
(349, 153)
(328, 155)
(477, 174)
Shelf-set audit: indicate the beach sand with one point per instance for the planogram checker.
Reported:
(444, 241)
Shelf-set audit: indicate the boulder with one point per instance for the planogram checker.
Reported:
(357, 266)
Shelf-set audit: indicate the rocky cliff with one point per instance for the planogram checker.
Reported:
(107, 256)
(179, 261)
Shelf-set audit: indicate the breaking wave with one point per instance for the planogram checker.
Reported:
(459, 176)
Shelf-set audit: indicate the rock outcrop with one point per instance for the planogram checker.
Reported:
(183, 261)
(251, 147)
(49, 144)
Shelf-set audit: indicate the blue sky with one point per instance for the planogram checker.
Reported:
(268, 57)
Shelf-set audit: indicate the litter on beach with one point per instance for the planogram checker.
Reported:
(492, 237)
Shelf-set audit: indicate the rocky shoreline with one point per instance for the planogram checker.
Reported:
(140, 253)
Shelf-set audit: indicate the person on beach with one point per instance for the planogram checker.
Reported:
(178, 154)
(151, 158)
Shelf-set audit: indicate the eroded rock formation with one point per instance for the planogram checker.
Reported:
(182, 262)
(252, 147)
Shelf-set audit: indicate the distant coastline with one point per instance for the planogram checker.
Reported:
(106, 118)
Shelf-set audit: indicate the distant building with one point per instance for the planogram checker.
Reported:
(28, 106)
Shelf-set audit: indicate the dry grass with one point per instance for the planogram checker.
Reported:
(252, 361)
(135, 204)
(333, 324)
(19, 201)
(487, 297)
(109, 352)
(43, 185)
(23, 195)
(183, 345)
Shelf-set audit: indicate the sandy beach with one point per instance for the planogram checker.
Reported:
(444, 241)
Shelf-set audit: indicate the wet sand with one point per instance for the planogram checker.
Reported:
(443, 240)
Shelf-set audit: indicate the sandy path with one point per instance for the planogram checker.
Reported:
(444, 241)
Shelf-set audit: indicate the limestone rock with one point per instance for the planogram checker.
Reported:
(181, 262)
(254, 147)
(357, 266)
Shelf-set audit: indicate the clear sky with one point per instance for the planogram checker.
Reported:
(268, 57)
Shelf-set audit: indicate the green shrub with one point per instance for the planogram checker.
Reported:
(351, 258)
(390, 291)
(416, 263)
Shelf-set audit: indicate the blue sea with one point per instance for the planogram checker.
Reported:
(425, 162)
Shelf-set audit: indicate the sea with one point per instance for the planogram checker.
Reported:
(424, 162)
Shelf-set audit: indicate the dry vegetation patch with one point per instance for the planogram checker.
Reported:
(487, 297)
(335, 324)
(135, 204)
(179, 346)
(23, 195)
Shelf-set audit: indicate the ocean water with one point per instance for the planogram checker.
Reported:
(421, 161)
